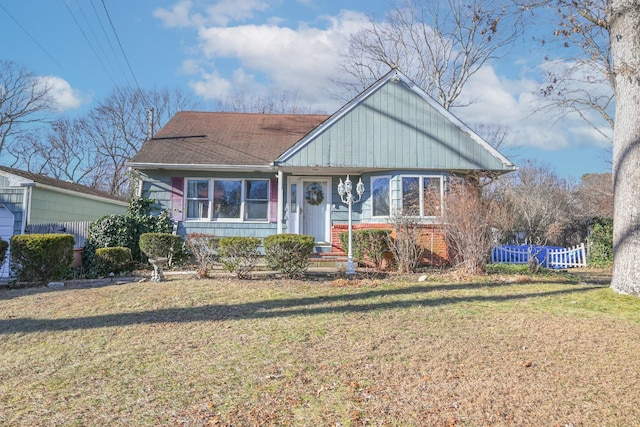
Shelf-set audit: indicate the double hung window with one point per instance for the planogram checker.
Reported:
(227, 199)
(422, 195)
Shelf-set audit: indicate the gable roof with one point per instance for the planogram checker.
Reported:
(394, 124)
(201, 140)
(17, 177)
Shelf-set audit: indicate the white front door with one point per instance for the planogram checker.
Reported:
(314, 196)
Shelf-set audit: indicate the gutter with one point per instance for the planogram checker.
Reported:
(201, 167)
(26, 205)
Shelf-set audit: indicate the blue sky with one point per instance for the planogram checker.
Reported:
(210, 49)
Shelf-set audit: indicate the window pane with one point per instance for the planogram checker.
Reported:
(226, 199)
(197, 209)
(197, 198)
(257, 190)
(431, 194)
(257, 210)
(197, 189)
(411, 195)
(294, 196)
(380, 200)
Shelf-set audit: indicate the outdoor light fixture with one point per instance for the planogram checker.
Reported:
(344, 190)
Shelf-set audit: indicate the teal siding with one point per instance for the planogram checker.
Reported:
(157, 186)
(395, 128)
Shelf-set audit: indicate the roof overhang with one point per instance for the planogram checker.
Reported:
(200, 167)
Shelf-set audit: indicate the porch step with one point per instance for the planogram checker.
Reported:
(328, 261)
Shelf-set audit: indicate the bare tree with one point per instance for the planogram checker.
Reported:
(64, 153)
(23, 100)
(539, 201)
(594, 196)
(618, 22)
(93, 150)
(118, 126)
(285, 102)
(439, 44)
(468, 224)
(581, 80)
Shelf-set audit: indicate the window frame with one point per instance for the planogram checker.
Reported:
(188, 199)
(211, 182)
(389, 198)
(421, 190)
(246, 200)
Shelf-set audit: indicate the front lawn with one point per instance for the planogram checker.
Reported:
(505, 350)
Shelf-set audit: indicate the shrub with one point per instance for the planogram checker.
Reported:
(204, 249)
(4, 245)
(368, 245)
(158, 245)
(239, 255)
(113, 260)
(288, 253)
(125, 230)
(601, 243)
(41, 257)
(405, 247)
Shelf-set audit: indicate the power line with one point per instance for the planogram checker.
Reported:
(124, 54)
(32, 38)
(104, 67)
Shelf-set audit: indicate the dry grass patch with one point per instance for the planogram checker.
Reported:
(560, 351)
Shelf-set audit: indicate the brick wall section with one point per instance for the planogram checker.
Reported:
(431, 239)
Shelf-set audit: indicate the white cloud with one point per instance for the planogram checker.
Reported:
(517, 105)
(299, 59)
(178, 16)
(211, 86)
(186, 13)
(63, 96)
(267, 56)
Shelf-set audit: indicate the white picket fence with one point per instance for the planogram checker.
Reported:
(551, 257)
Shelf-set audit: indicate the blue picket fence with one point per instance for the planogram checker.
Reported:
(548, 256)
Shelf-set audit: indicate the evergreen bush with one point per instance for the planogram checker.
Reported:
(113, 260)
(600, 244)
(125, 230)
(239, 255)
(288, 253)
(4, 246)
(41, 257)
(158, 245)
(368, 245)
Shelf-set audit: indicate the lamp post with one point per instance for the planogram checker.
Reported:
(344, 190)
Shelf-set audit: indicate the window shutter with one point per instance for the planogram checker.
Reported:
(273, 200)
(176, 204)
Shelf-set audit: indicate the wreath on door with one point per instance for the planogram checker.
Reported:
(314, 194)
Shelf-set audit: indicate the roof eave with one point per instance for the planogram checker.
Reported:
(200, 167)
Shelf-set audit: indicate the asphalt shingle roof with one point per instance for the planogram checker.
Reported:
(214, 138)
(58, 183)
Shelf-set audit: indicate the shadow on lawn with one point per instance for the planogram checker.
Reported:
(306, 306)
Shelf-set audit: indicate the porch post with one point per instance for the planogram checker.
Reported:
(280, 201)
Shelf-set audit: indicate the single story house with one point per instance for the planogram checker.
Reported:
(231, 174)
(34, 203)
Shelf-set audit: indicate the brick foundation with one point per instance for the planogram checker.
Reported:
(431, 239)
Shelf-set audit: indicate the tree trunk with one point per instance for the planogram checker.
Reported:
(625, 45)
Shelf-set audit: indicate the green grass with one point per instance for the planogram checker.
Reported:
(507, 349)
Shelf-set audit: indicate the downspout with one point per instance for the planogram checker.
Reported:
(26, 205)
(280, 201)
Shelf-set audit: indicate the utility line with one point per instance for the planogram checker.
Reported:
(124, 54)
(32, 38)
(104, 67)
